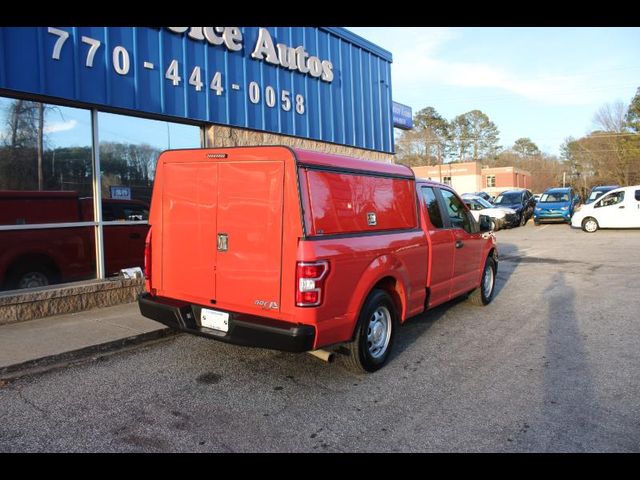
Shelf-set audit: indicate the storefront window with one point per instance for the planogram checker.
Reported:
(45, 178)
(129, 149)
(45, 163)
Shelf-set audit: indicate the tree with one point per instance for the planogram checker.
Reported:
(474, 136)
(427, 143)
(633, 114)
(525, 148)
(460, 137)
(25, 142)
(546, 170)
(610, 153)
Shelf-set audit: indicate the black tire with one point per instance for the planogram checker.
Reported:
(493, 225)
(590, 225)
(484, 293)
(31, 275)
(373, 341)
(523, 220)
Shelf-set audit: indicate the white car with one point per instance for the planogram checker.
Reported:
(619, 208)
(500, 217)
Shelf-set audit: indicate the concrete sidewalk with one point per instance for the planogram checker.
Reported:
(38, 345)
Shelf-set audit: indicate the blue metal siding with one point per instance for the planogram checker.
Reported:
(353, 109)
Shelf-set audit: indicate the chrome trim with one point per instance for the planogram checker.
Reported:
(97, 196)
(42, 226)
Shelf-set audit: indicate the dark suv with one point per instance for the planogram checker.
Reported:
(521, 201)
(598, 191)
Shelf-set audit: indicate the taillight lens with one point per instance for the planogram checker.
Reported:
(310, 281)
(147, 261)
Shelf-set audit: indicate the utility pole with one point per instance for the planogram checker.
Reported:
(564, 179)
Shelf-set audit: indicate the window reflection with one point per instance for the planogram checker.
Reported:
(46, 177)
(40, 257)
(129, 150)
(44, 150)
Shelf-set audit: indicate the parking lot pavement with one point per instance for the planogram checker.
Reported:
(551, 365)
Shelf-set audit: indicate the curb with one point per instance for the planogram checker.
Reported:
(51, 362)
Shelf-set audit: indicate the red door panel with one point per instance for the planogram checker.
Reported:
(441, 248)
(468, 245)
(250, 215)
(189, 203)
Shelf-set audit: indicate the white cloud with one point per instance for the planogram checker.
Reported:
(54, 127)
(418, 64)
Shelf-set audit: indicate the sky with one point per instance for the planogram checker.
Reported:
(542, 83)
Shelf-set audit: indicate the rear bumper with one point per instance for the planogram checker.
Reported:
(247, 330)
(553, 217)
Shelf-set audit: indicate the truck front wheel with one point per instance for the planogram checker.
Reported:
(370, 349)
(484, 293)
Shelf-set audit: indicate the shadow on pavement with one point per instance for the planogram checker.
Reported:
(568, 381)
(508, 261)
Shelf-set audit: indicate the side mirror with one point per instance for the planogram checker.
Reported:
(485, 223)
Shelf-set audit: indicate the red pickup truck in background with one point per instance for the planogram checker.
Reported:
(36, 257)
(296, 250)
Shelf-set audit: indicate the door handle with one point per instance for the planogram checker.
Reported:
(621, 206)
(459, 244)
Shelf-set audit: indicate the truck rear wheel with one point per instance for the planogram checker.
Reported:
(370, 349)
(484, 293)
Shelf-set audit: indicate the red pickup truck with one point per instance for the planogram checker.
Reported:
(296, 250)
(36, 257)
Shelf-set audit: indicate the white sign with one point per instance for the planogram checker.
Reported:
(282, 55)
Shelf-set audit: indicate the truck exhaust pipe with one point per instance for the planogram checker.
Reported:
(324, 355)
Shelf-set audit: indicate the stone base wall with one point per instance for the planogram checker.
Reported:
(221, 136)
(23, 305)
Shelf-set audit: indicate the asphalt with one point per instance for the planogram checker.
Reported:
(39, 345)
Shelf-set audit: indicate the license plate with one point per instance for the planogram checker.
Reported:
(214, 319)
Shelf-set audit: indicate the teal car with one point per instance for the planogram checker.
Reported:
(555, 205)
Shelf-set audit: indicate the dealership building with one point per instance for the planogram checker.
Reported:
(473, 177)
(85, 112)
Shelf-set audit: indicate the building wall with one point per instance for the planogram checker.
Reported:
(507, 178)
(465, 177)
(471, 177)
(223, 136)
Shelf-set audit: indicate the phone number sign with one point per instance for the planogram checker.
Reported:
(301, 81)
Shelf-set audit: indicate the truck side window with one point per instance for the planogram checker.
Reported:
(458, 215)
(429, 198)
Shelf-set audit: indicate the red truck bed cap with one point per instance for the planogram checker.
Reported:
(343, 162)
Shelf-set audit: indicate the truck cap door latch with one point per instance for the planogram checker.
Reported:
(223, 242)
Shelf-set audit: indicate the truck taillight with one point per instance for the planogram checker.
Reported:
(310, 281)
(147, 261)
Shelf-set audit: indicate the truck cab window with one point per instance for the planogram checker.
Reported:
(430, 201)
(458, 215)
